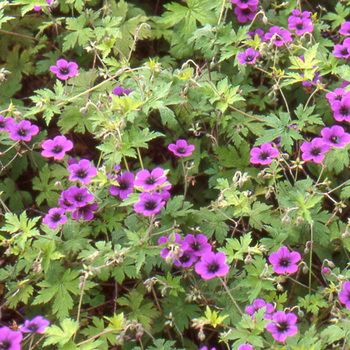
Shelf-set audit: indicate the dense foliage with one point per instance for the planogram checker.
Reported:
(174, 176)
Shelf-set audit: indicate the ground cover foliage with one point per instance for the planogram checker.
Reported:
(174, 175)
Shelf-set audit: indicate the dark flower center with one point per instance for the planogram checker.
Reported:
(282, 326)
(64, 70)
(344, 51)
(315, 151)
(264, 155)
(196, 246)
(246, 11)
(334, 139)
(151, 180)
(123, 184)
(181, 150)
(300, 25)
(56, 149)
(34, 327)
(5, 345)
(79, 197)
(81, 173)
(284, 262)
(344, 110)
(22, 132)
(150, 205)
(339, 97)
(213, 267)
(2, 124)
(55, 217)
(184, 258)
(249, 58)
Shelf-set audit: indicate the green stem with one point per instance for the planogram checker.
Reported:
(139, 155)
(185, 177)
(230, 295)
(310, 261)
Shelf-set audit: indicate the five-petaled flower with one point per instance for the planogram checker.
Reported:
(249, 56)
(344, 295)
(5, 123)
(124, 185)
(64, 69)
(57, 147)
(149, 203)
(55, 217)
(181, 148)
(149, 181)
(212, 265)
(263, 154)
(198, 245)
(10, 340)
(83, 171)
(314, 150)
(24, 131)
(283, 325)
(284, 261)
(259, 304)
(335, 136)
(38, 325)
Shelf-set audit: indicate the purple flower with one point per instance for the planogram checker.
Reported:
(149, 203)
(10, 340)
(185, 259)
(64, 69)
(345, 83)
(345, 29)
(342, 50)
(263, 154)
(314, 150)
(86, 212)
(344, 295)
(54, 217)
(283, 261)
(164, 190)
(243, 15)
(304, 14)
(335, 136)
(56, 148)
(206, 348)
(124, 187)
(5, 123)
(38, 325)
(149, 181)
(283, 325)
(249, 56)
(24, 131)
(259, 32)
(79, 197)
(243, 4)
(38, 8)
(169, 241)
(326, 270)
(259, 304)
(181, 149)
(119, 91)
(278, 35)
(301, 25)
(245, 347)
(337, 95)
(198, 245)
(341, 109)
(64, 201)
(83, 171)
(212, 265)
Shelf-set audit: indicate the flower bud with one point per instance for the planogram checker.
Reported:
(280, 287)
(305, 270)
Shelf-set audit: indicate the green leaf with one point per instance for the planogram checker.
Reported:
(60, 335)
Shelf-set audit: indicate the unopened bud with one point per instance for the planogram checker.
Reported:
(301, 313)
(305, 270)
(326, 270)
(280, 287)
(331, 264)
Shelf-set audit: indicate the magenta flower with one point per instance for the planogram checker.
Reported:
(169, 241)
(342, 50)
(119, 91)
(38, 8)
(212, 265)
(64, 69)
(149, 203)
(264, 154)
(243, 15)
(198, 245)
(83, 171)
(79, 197)
(283, 325)
(341, 109)
(259, 304)
(56, 148)
(64, 201)
(335, 136)
(278, 35)
(243, 4)
(259, 32)
(24, 131)
(345, 29)
(38, 325)
(344, 295)
(249, 56)
(245, 347)
(314, 150)
(5, 123)
(206, 348)
(86, 212)
(300, 25)
(283, 261)
(164, 190)
(181, 149)
(10, 340)
(149, 181)
(124, 187)
(337, 95)
(55, 217)
(304, 14)
(185, 259)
